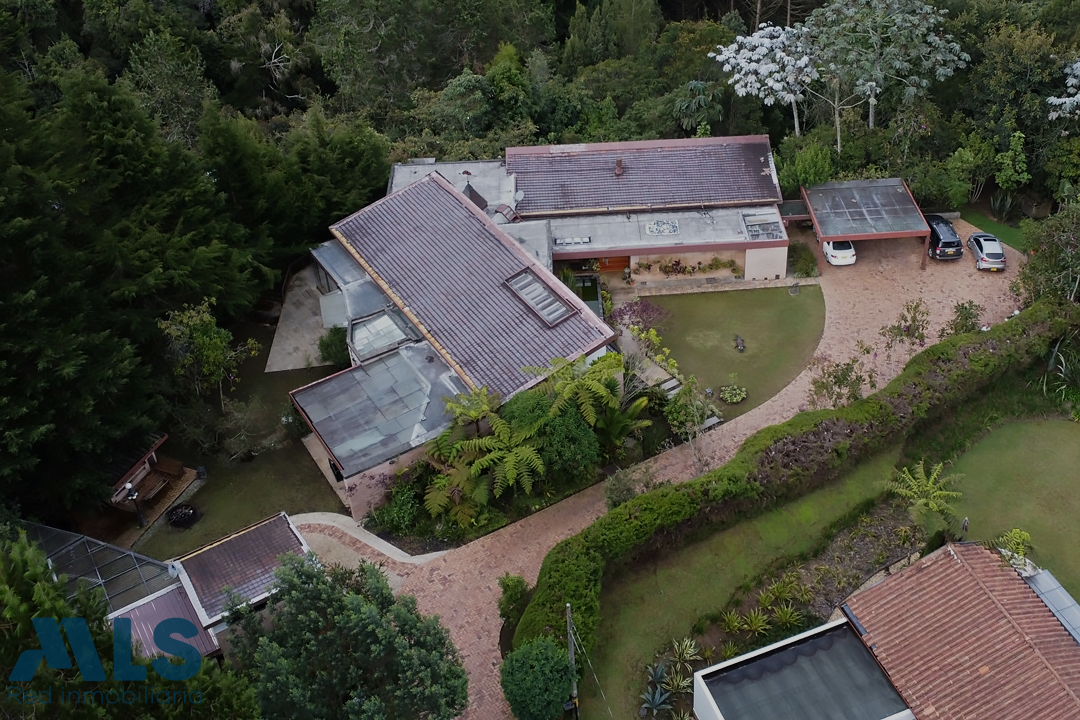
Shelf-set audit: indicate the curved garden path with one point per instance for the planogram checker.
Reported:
(461, 586)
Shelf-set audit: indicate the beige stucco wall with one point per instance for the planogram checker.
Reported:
(766, 263)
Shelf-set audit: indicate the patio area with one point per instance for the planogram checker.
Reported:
(296, 341)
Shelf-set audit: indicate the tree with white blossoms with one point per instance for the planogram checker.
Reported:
(855, 47)
(774, 64)
(1068, 105)
(869, 44)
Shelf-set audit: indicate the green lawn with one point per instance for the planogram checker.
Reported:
(645, 607)
(237, 494)
(1009, 235)
(1027, 475)
(781, 333)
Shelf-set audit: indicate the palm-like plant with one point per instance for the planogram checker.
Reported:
(757, 622)
(581, 383)
(729, 650)
(656, 700)
(507, 453)
(678, 683)
(683, 653)
(731, 622)
(614, 424)
(928, 494)
(473, 407)
(787, 616)
(457, 492)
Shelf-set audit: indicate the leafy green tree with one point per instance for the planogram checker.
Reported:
(203, 353)
(337, 643)
(928, 495)
(169, 80)
(536, 680)
(580, 382)
(699, 105)
(568, 447)
(811, 165)
(1012, 165)
(1053, 266)
(30, 590)
(71, 386)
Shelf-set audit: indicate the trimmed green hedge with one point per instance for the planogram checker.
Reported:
(781, 461)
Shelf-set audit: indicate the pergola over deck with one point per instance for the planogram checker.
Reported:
(866, 210)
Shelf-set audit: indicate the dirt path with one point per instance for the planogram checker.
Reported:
(462, 585)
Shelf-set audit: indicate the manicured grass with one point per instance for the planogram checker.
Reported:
(644, 607)
(781, 333)
(1027, 475)
(237, 494)
(1009, 235)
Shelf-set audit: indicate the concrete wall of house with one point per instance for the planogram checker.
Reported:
(766, 263)
(692, 258)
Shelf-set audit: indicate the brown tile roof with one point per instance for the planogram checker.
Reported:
(963, 637)
(446, 265)
(657, 174)
(243, 561)
(172, 603)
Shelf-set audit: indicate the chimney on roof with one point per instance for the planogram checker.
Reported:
(618, 167)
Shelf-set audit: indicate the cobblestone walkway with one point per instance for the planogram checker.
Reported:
(462, 586)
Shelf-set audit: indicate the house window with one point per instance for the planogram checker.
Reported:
(539, 297)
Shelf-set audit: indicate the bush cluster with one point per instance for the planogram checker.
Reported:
(803, 261)
(781, 461)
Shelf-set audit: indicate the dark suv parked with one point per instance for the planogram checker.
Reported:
(945, 244)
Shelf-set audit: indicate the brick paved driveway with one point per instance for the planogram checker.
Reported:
(462, 586)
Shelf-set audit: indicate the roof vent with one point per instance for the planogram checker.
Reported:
(618, 167)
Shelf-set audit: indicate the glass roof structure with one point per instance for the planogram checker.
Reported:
(825, 674)
(124, 576)
(864, 210)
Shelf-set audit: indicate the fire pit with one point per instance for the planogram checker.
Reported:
(184, 516)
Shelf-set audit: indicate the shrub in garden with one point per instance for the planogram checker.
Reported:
(782, 461)
(568, 446)
(803, 260)
(334, 348)
(965, 319)
(399, 514)
(515, 595)
(536, 680)
(731, 393)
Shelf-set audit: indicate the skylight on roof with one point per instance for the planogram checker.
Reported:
(763, 227)
(539, 297)
(573, 240)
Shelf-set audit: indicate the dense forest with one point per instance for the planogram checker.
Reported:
(156, 153)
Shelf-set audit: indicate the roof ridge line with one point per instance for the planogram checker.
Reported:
(1015, 625)
(400, 304)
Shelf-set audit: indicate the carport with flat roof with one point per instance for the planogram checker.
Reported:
(865, 210)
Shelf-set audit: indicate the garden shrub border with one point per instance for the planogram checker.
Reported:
(781, 461)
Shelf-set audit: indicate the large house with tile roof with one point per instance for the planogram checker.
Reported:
(437, 299)
(617, 204)
(959, 634)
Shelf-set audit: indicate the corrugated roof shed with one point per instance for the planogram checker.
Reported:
(448, 266)
(962, 636)
(243, 561)
(650, 174)
(173, 603)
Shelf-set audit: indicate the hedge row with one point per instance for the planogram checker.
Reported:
(782, 461)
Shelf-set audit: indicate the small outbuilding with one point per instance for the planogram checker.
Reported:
(866, 210)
